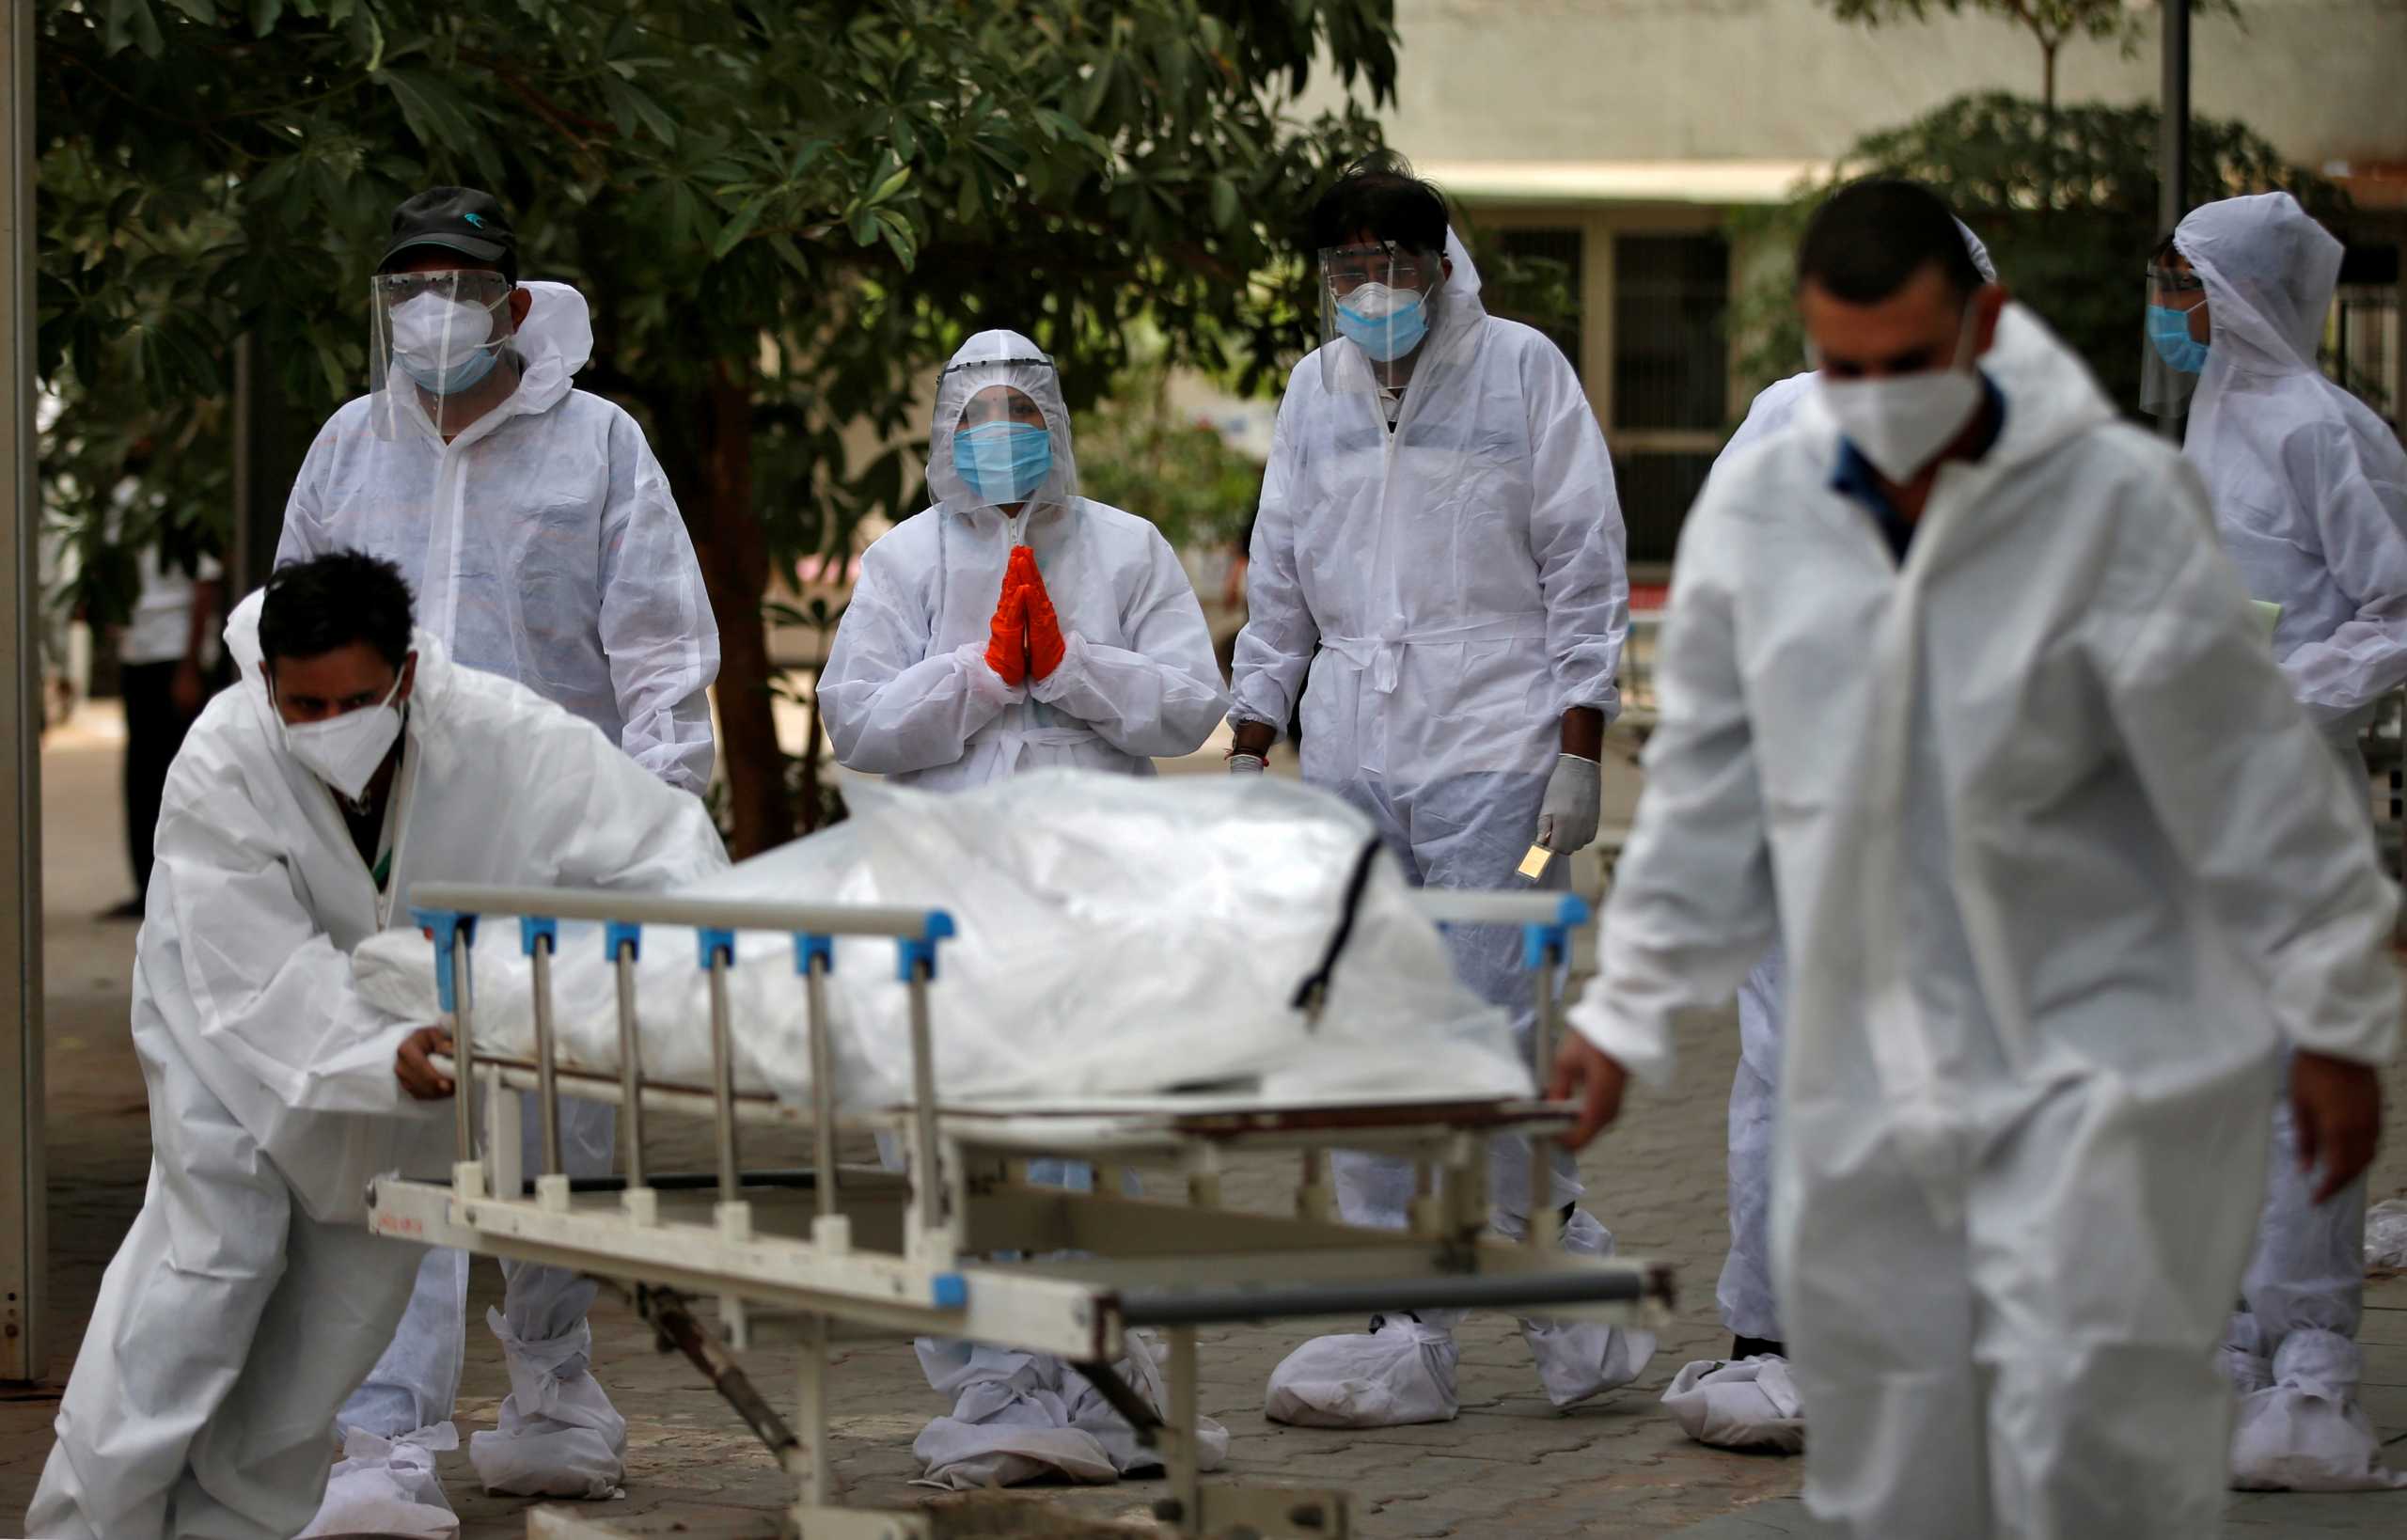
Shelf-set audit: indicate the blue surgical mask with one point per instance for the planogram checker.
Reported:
(1384, 323)
(2169, 329)
(1003, 462)
(445, 345)
(465, 373)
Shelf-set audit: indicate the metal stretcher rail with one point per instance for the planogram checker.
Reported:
(1141, 1262)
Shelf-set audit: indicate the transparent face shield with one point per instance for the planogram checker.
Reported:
(435, 338)
(2175, 347)
(1379, 307)
(1000, 440)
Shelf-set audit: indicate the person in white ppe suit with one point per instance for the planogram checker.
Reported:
(353, 759)
(1438, 573)
(1960, 698)
(1745, 1291)
(539, 534)
(2309, 490)
(1017, 626)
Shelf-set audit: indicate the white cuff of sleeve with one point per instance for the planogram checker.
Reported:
(1071, 671)
(985, 686)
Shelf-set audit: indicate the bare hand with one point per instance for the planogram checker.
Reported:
(185, 689)
(411, 1066)
(2335, 1106)
(1586, 1074)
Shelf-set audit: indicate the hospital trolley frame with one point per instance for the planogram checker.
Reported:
(793, 1253)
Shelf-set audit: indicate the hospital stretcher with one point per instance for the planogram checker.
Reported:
(805, 1255)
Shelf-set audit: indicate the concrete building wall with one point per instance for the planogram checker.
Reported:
(1689, 80)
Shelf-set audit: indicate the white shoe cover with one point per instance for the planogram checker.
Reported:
(1751, 1404)
(560, 1436)
(1019, 1417)
(1402, 1371)
(1581, 1359)
(388, 1487)
(2300, 1428)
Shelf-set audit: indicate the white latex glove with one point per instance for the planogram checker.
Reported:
(1245, 764)
(1574, 797)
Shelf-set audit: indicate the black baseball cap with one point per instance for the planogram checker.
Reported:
(457, 219)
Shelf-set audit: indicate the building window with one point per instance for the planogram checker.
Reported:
(1670, 397)
(2364, 338)
(1544, 287)
(1671, 366)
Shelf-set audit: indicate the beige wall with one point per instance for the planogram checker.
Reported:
(1636, 80)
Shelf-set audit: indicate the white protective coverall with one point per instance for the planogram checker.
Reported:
(541, 545)
(1744, 1292)
(2310, 497)
(249, 1298)
(908, 693)
(1450, 586)
(2052, 851)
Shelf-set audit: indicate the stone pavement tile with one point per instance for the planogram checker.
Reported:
(1780, 1516)
(2305, 1516)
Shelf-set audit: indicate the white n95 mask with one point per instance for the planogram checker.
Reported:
(344, 751)
(1901, 422)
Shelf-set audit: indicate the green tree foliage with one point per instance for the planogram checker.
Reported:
(2067, 203)
(1136, 451)
(2052, 23)
(784, 213)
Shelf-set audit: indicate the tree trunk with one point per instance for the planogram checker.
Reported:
(734, 554)
(2048, 78)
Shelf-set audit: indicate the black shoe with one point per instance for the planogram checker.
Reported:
(130, 909)
(1756, 1347)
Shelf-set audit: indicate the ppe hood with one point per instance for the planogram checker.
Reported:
(2269, 271)
(987, 360)
(555, 342)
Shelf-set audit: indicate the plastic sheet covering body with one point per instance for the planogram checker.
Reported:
(1117, 937)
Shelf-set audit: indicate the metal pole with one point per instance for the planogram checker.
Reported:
(1540, 1219)
(823, 1087)
(463, 1050)
(2173, 138)
(547, 1088)
(926, 1179)
(630, 1069)
(2173, 144)
(723, 1079)
(24, 1197)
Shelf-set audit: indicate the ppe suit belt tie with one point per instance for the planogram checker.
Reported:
(1383, 656)
(1017, 742)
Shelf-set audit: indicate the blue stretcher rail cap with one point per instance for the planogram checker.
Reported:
(1545, 945)
(618, 934)
(913, 952)
(710, 943)
(949, 1290)
(449, 927)
(806, 946)
(534, 928)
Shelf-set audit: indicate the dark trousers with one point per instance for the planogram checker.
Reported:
(154, 730)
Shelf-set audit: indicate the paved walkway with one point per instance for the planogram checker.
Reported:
(1509, 1466)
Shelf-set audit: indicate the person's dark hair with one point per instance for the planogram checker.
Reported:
(1380, 193)
(327, 602)
(2165, 253)
(1869, 239)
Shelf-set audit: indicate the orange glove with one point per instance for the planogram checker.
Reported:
(1045, 648)
(1007, 638)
